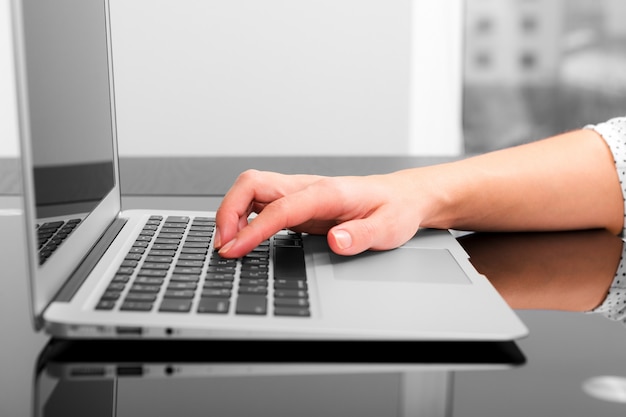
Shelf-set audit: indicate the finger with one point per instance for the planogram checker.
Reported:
(314, 202)
(376, 232)
(251, 188)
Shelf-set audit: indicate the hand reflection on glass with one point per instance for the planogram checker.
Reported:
(568, 271)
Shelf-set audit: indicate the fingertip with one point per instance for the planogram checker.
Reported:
(224, 250)
(217, 238)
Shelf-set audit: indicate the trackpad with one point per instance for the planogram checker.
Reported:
(400, 265)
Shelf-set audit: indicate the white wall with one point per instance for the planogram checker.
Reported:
(278, 77)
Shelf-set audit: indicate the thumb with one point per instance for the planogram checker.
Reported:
(378, 232)
(352, 237)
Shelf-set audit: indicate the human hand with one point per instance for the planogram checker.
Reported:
(357, 213)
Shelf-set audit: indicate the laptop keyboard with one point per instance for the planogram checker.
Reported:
(172, 268)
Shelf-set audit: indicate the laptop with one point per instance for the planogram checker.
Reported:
(99, 272)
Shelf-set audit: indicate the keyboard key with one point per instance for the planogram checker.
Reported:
(127, 263)
(177, 219)
(290, 284)
(171, 235)
(160, 259)
(184, 278)
(192, 257)
(182, 286)
(116, 286)
(145, 288)
(291, 294)
(175, 305)
(217, 261)
(149, 280)
(155, 265)
(121, 278)
(213, 305)
(202, 251)
(187, 271)
(139, 296)
(289, 263)
(169, 253)
(194, 232)
(291, 302)
(251, 304)
(181, 294)
(218, 284)
(252, 290)
(196, 244)
(255, 261)
(253, 282)
(188, 263)
(136, 306)
(216, 293)
(193, 239)
(292, 312)
(177, 230)
(222, 269)
(255, 274)
(166, 241)
(111, 295)
(105, 305)
(220, 276)
(152, 272)
(164, 247)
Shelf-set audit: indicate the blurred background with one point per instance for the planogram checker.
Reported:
(533, 68)
(353, 77)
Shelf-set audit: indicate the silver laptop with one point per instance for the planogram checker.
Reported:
(99, 272)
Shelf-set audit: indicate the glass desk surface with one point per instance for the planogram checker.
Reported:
(571, 364)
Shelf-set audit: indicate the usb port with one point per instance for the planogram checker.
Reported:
(126, 330)
(130, 370)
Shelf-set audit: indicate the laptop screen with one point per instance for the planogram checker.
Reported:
(68, 136)
(69, 102)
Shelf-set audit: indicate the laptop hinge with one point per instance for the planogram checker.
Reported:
(89, 262)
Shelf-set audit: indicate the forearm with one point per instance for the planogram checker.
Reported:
(564, 182)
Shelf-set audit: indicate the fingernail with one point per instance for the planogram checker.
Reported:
(217, 239)
(342, 238)
(227, 247)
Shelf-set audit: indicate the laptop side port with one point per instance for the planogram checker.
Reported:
(128, 331)
(88, 371)
(129, 370)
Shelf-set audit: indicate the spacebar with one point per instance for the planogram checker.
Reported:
(289, 263)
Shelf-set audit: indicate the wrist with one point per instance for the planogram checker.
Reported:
(435, 193)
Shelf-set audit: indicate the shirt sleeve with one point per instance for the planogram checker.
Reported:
(613, 306)
(613, 132)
